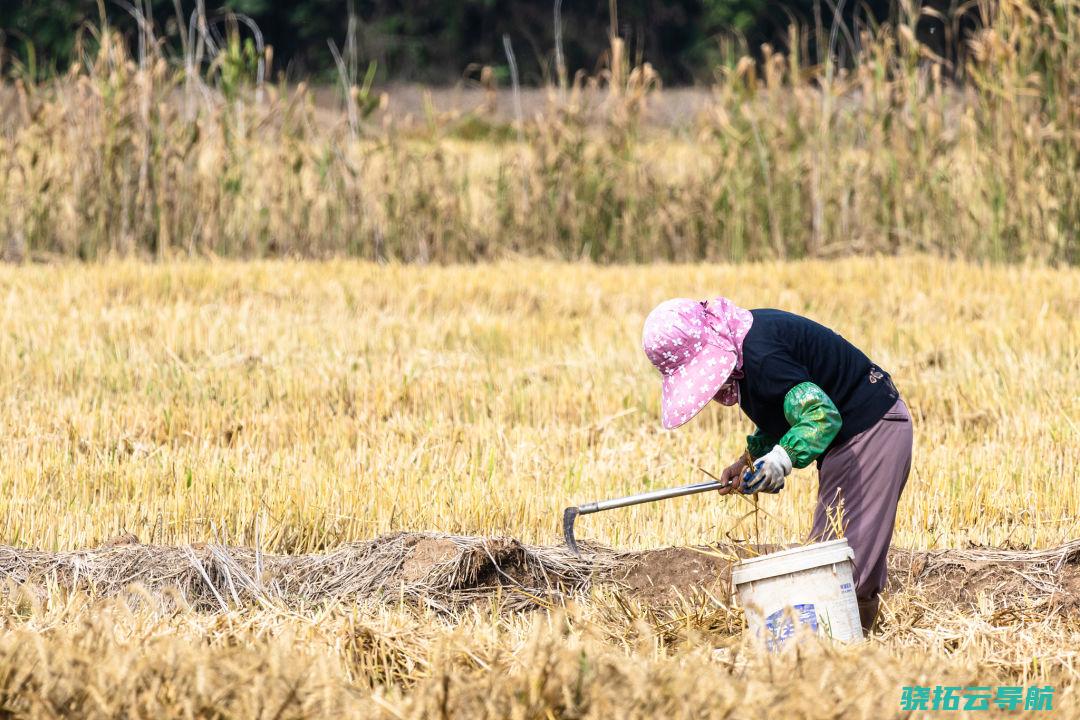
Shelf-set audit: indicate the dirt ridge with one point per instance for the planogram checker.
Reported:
(446, 572)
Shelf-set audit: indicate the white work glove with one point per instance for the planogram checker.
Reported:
(768, 472)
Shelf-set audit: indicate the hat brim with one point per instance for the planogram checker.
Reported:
(690, 388)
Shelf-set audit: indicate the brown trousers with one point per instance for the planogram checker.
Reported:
(865, 476)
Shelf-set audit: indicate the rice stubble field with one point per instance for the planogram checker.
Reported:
(272, 435)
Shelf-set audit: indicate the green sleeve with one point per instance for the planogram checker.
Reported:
(759, 443)
(814, 423)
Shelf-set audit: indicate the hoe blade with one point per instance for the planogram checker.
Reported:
(568, 517)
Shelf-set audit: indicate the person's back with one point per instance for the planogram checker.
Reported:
(783, 350)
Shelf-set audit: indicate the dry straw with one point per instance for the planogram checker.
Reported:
(447, 573)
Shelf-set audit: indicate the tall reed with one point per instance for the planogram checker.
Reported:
(156, 156)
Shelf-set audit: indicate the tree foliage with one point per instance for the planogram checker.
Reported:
(437, 40)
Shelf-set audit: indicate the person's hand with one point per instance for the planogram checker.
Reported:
(768, 472)
(732, 475)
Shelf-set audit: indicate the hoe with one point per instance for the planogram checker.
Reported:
(570, 514)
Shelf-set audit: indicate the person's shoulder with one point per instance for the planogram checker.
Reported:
(766, 332)
(774, 318)
(768, 314)
(780, 329)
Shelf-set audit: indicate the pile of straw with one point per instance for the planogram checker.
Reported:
(442, 571)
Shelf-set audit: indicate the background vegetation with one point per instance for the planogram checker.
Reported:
(421, 40)
(155, 155)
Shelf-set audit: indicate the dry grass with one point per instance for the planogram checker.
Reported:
(408, 663)
(294, 407)
(450, 573)
(609, 657)
(141, 156)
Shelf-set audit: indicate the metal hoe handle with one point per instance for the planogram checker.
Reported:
(570, 514)
(650, 496)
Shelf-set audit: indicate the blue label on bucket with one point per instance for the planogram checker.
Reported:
(781, 624)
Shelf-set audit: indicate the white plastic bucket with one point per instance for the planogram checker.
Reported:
(808, 588)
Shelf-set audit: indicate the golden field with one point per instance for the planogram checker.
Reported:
(298, 406)
(320, 403)
(211, 459)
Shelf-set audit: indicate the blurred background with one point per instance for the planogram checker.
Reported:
(444, 41)
(615, 131)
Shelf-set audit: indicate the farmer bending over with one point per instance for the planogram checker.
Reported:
(813, 397)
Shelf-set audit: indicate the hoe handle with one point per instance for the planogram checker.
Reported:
(570, 514)
(650, 496)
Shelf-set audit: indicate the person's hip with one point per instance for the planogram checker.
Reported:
(893, 430)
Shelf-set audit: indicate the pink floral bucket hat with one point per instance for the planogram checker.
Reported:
(697, 347)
